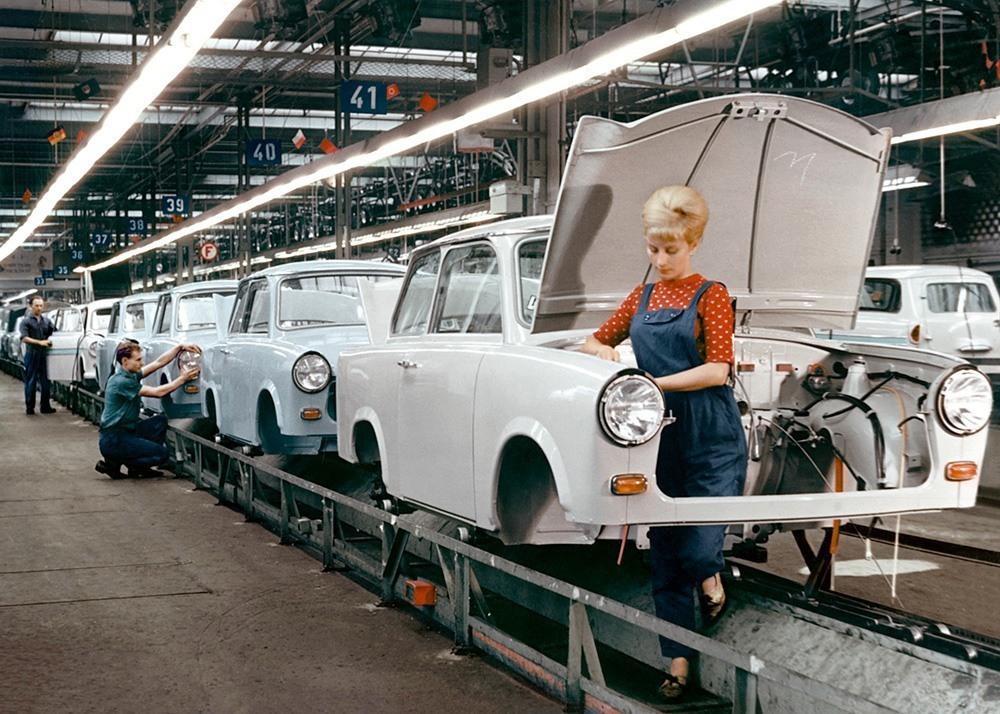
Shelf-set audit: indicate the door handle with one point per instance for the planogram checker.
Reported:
(407, 364)
(224, 351)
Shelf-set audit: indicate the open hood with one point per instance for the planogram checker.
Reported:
(793, 192)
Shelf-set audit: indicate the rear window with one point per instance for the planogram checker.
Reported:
(880, 295)
(959, 297)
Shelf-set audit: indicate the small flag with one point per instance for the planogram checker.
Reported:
(80, 136)
(299, 139)
(427, 102)
(56, 135)
(26, 196)
(392, 91)
(327, 146)
(177, 218)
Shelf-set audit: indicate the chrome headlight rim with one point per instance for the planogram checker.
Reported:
(187, 359)
(627, 375)
(943, 394)
(325, 364)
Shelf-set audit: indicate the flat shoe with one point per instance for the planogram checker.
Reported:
(49, 411)
(673, 688)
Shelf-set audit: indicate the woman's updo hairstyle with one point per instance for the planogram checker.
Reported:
(675, 212)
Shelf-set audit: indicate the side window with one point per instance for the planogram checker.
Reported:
(236, 322)
(260, 307)
(414, 305)
(959, 297)
(470, 292)
(163, 316)
(530, 256)
(880, 295)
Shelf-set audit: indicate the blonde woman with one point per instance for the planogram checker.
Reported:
(681, 327)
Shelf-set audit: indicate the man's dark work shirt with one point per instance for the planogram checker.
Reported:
(37, 328)
(121, 400)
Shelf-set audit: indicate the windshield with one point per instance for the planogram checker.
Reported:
(99, 321)
(318, 300)
(195, 312)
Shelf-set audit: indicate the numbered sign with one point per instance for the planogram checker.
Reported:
(39, 281)
(363, 97)
(137, 226)
(100, 240)
(48, 274)
(175, 205)
(62, 271)
(263, 152)
(76, 255)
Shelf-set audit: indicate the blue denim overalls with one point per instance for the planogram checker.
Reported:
(703, 453)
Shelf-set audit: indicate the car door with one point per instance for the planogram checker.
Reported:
(237, 369)
(437, 385)
(961, 317)
(158, 342)
(65, 340)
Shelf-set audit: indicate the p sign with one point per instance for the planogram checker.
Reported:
(208, 252)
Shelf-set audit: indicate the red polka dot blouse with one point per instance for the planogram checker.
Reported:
(713, 329)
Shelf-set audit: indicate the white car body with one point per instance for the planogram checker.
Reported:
(184, 314)
(131, 318)
(479, 406)
(73, 355)
(945, 308)
(248, 387)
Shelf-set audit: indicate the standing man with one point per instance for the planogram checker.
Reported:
(35, 332)
(126, 440)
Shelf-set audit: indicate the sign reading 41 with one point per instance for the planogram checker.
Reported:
(363, 97)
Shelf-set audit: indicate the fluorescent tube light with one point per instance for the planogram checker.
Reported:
(956, 128)
(629, 43)
(193, 27)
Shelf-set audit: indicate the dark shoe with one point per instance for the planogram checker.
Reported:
(143, 472)
(713, 604)
(48, 410)
(29, 411)
(109, 469)
(673, 688)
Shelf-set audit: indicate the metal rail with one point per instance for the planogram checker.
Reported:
(335, 527)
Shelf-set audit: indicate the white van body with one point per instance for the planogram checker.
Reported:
(945, 308)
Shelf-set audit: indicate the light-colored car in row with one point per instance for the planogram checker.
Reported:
(184, 314)
(269, 383)
(946, 308)
(73, 356)
(479, 405)
(130, 318)
(10, 323)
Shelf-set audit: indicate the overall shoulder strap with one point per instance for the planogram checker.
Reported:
(644, 301)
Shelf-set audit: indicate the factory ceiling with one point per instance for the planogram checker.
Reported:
(276, 67)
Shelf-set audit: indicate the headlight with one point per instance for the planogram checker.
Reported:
(92, 349)
(631, 409)
(188, 359)
(311, 372)
(965, 401)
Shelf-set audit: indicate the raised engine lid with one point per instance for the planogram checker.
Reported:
(793, 191)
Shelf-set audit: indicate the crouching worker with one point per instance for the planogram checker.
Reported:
(126, 440)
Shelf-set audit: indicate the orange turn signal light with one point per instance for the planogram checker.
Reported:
(961, 471)
(191, 388)
(311, 414)
(628, 484)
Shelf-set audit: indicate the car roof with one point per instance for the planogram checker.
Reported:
(326, 266)
(515, 227)
(903, 272)
(203, 287)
